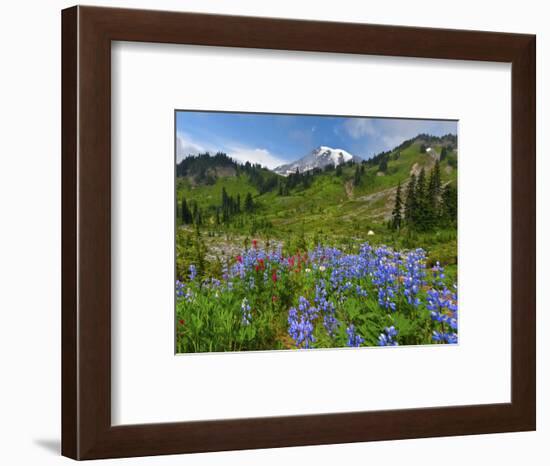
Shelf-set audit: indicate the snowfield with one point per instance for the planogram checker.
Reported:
(318, 158)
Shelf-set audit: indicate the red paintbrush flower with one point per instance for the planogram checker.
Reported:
(255, 243)
(274, 276)
(239, 259)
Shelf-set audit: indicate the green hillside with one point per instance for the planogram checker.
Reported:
(339, 206)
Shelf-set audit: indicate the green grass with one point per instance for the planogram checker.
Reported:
(331, 210)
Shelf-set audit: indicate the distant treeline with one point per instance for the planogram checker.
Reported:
(449, 142)
(229, 206)
(203, 169)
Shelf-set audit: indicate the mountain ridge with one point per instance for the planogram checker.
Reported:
(369, 186)
(319, 157)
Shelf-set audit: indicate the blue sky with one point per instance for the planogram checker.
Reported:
(272, 140)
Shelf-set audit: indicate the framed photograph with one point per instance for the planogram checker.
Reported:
(286, 232)
(324, 250)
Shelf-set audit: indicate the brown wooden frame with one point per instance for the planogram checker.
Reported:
(87, 33)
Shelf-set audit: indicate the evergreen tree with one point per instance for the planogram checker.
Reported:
(383, 167)
(248, 203)
(421, 211)
(186, 216)
(449, 205)
(396, 214)
(443, 155)
(357, 176)
(433, 194)
(225, 206)
(437, 175)
(196, 214)
(339, 170)
(410, 201)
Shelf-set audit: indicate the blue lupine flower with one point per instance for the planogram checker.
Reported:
(385, 276)
(180, 289)
(387, 338)
(245, 310)
(438, 274)
(192, 272)
(300, 326)
(393, 278)
(443, 307)
(326, 308)
(354, 339)
(414, 275)
(442, 337)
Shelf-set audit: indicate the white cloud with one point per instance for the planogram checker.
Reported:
(255, 155)
(373, 135)
(186, 146)
(389, 142)
(359, 127)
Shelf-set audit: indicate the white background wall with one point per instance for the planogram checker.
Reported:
(30, 229)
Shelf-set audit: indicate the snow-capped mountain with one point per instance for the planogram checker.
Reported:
(318, 158)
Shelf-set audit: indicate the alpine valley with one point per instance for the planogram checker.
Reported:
(328, 197)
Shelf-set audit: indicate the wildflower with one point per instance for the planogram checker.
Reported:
(239, 259)
(188, 295)
(255, 244)
(387, 338)
(274, 276)
(192, 272)
(308, 270)
(385, 276)
(443, 308)
(300, 325)
(260, 265)
(245, 310)
(326, 307)
(442, 337)
(180, 289)
(354, 339)
(322, 268)
(438, 275)
(413, 279)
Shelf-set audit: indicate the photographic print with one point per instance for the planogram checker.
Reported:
(305, 231)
